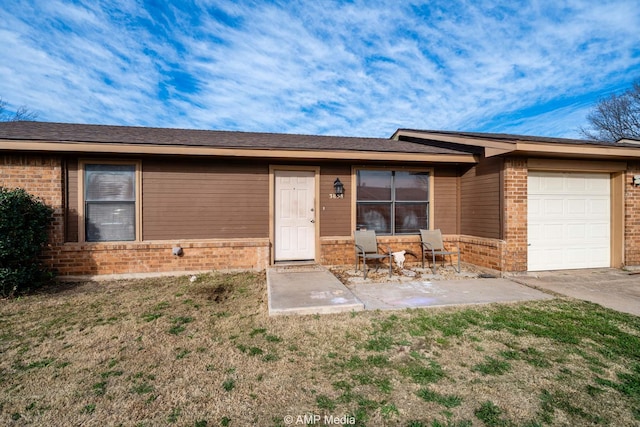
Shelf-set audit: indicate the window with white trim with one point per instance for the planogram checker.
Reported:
(110, 202)
(392, 202)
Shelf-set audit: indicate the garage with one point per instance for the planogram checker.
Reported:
(569, 220)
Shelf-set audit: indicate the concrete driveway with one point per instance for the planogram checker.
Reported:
(612, 288)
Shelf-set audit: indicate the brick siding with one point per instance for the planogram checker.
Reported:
(483, 252)
(154, 257)
(632, 217)
(515, 175)
(340, 250)
(43, 176)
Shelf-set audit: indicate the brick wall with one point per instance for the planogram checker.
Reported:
(515, 214)
(157, 256)
(340, 250)
(43, 177)
(482, 252)
(632, 216)
(479, 251)
(336, 251)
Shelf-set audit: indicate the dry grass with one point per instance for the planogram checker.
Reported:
(168, 351)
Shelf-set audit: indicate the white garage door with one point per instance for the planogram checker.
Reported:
(569, 221)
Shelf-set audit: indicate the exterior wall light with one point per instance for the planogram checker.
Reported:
(338, 188)
(635, 181)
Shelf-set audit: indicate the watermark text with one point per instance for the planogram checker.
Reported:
(322, 420)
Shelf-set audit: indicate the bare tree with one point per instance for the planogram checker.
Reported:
(21, 114)
(615, 117)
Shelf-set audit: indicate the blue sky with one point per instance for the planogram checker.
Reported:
(359, 68)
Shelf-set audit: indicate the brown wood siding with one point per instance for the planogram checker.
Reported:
(71, 199)
(445, 199)
(204, 199)
(480, 200)
(335, 214)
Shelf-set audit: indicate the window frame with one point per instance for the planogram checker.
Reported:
(354, 195)
(82, 236)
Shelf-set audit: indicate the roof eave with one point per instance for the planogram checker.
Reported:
(456, 139)
(527, 148)
(576, 152)
(151, 149)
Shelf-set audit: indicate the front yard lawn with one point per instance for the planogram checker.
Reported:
(168, 351)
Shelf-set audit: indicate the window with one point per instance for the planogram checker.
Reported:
(109, 202)
(392, 202)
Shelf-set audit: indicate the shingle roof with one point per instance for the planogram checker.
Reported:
(504, 137)
(82, 133)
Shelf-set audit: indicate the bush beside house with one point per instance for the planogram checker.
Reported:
(24, 226)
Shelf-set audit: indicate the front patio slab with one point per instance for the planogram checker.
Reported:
(426, 293)
(308, 289)
(312, 289)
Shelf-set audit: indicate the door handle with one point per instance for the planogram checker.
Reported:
(313, 221)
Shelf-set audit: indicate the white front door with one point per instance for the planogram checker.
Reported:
(568, 220)
(295, 216)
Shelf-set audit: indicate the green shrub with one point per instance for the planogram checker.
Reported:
(24, 224)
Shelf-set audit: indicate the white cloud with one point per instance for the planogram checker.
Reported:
(353, 68)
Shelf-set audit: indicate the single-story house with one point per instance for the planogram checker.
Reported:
(136, 199)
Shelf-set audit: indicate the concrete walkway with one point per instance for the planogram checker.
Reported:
(307, 289)
(310, 289)
(386, 296)
(609, 287)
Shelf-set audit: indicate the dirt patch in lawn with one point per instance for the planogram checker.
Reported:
(205, 352)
